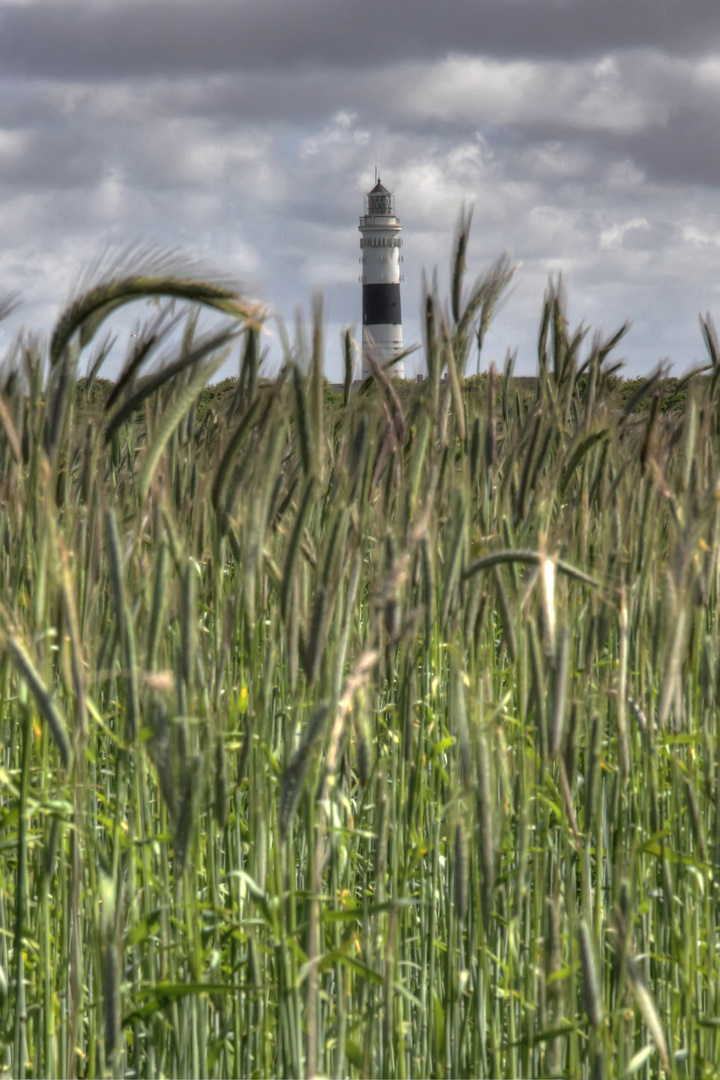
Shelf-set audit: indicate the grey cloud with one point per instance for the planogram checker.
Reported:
(651, 238)
(677, 137)
(41, 158)
(72, 40)
(685, 150)
(216, 125)
(264, 97)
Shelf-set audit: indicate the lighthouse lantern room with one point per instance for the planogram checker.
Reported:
(380, 243)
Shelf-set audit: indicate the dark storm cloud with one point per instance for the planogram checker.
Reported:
(72, 40)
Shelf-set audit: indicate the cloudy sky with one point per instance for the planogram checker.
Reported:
(585, 133)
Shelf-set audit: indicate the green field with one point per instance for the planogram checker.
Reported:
(370, 733)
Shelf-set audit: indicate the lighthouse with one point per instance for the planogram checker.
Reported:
(380, 243)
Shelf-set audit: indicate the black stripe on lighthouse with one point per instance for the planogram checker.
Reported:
(381, 305)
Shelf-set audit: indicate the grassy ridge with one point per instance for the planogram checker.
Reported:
(376, 737)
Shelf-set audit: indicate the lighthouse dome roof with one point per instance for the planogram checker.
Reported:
(380, 201)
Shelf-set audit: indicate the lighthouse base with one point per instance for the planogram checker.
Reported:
(384, 341)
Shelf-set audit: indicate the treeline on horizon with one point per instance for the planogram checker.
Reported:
(670, 391)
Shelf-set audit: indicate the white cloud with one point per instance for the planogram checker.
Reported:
(699, 237)
(343, 131)
(615, 234)
(623, 177)
(471, 90)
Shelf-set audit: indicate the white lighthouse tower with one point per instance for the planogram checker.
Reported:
(380, 242)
